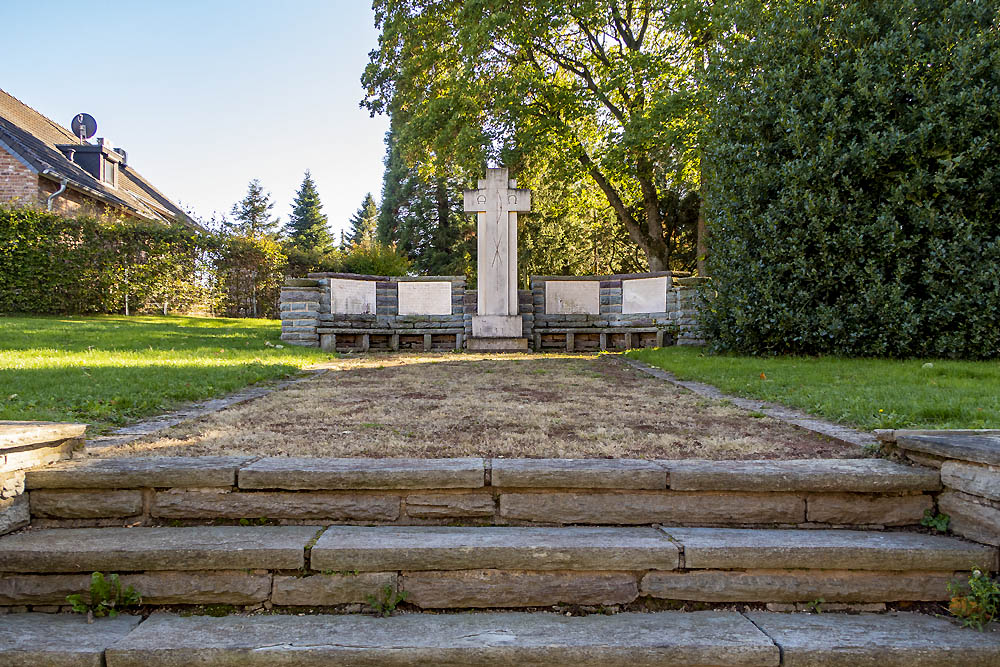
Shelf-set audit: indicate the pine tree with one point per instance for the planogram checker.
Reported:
(307, 228)
(364, 223)
(252, 214)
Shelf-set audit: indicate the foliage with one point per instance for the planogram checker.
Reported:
(854, 159)
(867, 393)
(936, 522)
(373, 258)
(252, 214)
(364, 222)
(425, 217)
(249, 271)
(978, 602)
(386, 601)
(106, 597)
(51, 264)
(110, 370)
(307, 227)
(605, 87)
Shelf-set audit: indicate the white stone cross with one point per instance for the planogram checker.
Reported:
(497, 203)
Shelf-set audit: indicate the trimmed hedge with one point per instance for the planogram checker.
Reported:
(852, 185)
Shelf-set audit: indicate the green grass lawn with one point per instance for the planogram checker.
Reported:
(110, 370)
(867, 393)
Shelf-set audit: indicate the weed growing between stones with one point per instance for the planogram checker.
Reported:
(106, 597)
(386, 602)
(978, 603)
(936, 522)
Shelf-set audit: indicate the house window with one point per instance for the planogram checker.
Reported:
(110, 169)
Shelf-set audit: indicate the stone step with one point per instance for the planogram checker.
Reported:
(485, 567)
(721, 639)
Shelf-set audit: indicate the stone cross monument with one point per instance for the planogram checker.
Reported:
(497, 203)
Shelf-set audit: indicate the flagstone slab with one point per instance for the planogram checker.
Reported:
(332, 588)
(731, 548)
(361, 473)
(977, 446)
(379, 548)
(17, 434)
(579, 473)
(831, 475)
(59, 640)
(666, 639)
(135, 473)
(194, 504)
(877, 640)
(136, 549)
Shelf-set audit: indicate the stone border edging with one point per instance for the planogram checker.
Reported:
(777, 411)
(196, 410)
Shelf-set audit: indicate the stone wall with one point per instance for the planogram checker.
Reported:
(969, 462)
(307, 318)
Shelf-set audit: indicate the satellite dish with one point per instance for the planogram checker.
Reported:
(84, 126)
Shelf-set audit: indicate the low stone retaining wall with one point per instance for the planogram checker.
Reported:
(25, 445)
(578, 313)
(969, 462)
(807, 493)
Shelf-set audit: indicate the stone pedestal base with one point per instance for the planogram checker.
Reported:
(496, 326)
(498, 344)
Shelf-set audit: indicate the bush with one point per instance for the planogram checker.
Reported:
(852, 166)
(374, 258)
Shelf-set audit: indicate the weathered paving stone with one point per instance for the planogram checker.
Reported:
(37, 455)
(17, 434)
(876, 640)
(858, 508)
(798, 585)
(505, 588)
(980, 447)
(731, 548)
(164, 472)
(88, 504)
(645, 508)
(381, 548)
(14, 513)
(449, 505)
(180, 504)
(579, 474)
(312, 473)
(666, 639)
(331, 589)
(59, 640)
(971, 519)
(228, 587)
(136, 549)
(833, 475)
(977, 480)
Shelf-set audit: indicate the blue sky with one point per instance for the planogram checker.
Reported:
(206, 95)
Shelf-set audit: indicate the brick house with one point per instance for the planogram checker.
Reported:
(43, 164)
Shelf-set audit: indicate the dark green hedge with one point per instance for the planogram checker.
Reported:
(852, 179)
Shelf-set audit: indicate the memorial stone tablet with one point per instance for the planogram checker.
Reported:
(424, 298)
(644, 295)
(352, 297)
(572, 297)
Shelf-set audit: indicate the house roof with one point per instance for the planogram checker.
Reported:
(34, 138)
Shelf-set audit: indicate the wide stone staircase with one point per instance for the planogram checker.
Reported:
(524, 562)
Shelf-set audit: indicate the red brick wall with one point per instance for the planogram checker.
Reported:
(18, 184)
(70, 202)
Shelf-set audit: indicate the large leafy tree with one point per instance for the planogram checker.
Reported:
(252, 214)
(364, 222)
(307, 227)
(607, 87)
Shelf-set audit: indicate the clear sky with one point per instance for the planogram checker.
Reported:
(208, 94)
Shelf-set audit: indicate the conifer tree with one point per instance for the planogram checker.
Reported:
(252, 214)
(307, 227)
(364, 223)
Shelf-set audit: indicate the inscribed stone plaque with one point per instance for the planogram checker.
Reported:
(569, 297)
(644, 295)
(352, 297)
(424, 298)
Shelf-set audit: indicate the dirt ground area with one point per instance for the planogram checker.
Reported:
(449, 405)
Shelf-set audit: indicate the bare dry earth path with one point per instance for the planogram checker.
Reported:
(450, 405)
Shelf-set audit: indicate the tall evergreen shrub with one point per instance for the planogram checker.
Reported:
(853, 179)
